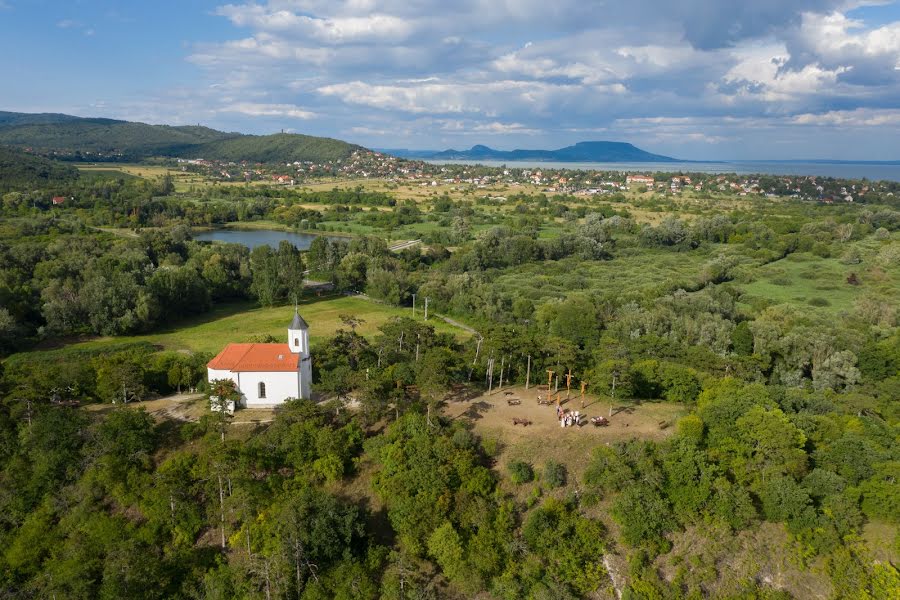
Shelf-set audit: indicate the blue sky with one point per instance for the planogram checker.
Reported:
(700, 79)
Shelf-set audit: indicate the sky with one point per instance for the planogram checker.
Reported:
(695, 79)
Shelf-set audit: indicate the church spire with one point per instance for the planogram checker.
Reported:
(298, 322)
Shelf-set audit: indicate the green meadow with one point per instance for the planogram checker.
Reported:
(244, 322)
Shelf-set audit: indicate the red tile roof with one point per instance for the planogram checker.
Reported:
(255, 357)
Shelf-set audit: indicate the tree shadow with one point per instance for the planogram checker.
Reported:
(623, 409)
(461, 393)
(476, 410)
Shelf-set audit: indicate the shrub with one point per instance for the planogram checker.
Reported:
(819, 302)
(520, 472)
(555, 474)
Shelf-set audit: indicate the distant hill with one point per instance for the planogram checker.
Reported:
(18, 169)
(580, 152)
(74, 137)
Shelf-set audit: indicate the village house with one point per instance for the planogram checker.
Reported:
(639, 180)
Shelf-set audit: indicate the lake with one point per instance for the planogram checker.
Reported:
(875, 171)
(257, 237)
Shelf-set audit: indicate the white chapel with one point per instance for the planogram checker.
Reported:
(268, 374)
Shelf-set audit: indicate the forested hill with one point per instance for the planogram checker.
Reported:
(20, 169)
(76, 137)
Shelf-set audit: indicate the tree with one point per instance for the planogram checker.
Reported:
(266, 284)
(643, 514)
(290, 270)
(520, 472)
(221, 392)
(120, 377)
(436, 372)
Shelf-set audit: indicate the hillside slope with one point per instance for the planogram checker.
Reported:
(18, 169)
(76, 137)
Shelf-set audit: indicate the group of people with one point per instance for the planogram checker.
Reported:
(567, 418)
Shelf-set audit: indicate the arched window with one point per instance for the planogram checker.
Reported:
(262, 390)
(297, 342)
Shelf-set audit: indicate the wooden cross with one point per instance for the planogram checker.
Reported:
(568, 383)
(549, 380)
(583, 387)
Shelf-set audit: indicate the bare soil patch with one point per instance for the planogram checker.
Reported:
(543, 439)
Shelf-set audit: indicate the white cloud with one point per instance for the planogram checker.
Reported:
(702, 71)
(851, 118)
(269, 110)
(333, 30)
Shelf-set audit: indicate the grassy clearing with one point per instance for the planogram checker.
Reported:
(240, 322)
(821, 283)
(634, 272)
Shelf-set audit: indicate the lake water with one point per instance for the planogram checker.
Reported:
(874, 171)
(257, 237)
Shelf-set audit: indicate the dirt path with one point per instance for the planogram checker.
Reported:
(179, 407)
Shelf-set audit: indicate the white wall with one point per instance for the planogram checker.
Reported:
(280, 385)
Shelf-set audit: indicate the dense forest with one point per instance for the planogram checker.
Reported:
(771, 327)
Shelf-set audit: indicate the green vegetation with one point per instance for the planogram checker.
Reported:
(757, 340)
(21, 170)
(108, 139)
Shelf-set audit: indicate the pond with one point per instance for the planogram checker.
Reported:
(257, 237)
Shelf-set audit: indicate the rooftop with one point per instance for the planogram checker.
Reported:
(255, 357)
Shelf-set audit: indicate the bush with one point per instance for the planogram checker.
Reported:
(555, 474)
(520, 472)
(819, 302)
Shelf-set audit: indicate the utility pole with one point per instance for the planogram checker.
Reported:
(528, 373)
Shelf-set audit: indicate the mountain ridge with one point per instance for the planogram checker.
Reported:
(589, 151)
(74, 137)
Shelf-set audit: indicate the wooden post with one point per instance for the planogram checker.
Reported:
(528, 373)
(414, 306)
(583, 386)
(556, 387)
(549, 382)
(568, 383)
(426, 308)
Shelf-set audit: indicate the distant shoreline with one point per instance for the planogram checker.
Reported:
(873, 171)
